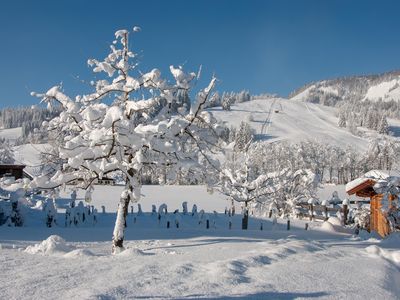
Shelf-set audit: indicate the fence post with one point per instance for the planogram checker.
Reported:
(345, 213)
(288, 224)
(167, 224)
(306, 226)
(208, 224)
(325, 207)
(311, 202)
(345, 210)
(261, 226)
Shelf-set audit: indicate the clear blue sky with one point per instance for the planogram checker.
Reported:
(262, 46)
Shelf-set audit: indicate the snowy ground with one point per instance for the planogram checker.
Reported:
(199, 263)
(194, 262)
(11, 134)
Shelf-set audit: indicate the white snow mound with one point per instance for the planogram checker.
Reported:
(133, 252)
(79, 253)
(327, 226)
(392, 256)
(54, 244)
(334, 221)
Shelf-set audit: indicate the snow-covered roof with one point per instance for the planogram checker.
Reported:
(356, 182)
(381, 174)
(373, 175)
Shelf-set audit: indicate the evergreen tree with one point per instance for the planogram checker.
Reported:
(342, 120)
(383, 127)
(243, 136)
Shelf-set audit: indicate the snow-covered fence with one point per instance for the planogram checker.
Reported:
(323, 211)
(76, 215)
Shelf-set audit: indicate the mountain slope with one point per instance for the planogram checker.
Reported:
(277, 119)
(385, 87)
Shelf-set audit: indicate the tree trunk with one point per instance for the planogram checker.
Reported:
(120, 222)
(245, 219)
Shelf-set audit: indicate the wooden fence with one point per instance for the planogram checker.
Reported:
(323, 212)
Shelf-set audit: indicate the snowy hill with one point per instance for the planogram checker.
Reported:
(385, 87)
(277, 119)
(11, 134)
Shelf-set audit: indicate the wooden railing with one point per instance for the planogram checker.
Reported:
(323, 212)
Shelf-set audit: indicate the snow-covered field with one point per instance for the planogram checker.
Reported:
(199, 263)
(11, 134)
(191, 261)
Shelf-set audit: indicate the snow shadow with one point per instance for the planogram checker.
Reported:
(394, 130)
(272, 295)
(263, 137)
(261, 295)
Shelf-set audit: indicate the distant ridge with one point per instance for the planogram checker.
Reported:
(383, 87)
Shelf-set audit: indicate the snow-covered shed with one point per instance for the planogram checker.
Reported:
(375, 184)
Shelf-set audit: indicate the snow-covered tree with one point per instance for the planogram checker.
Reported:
(383, 127)
(243, 136)
(241, 184)
(342, 120)
(243, 181)
(226, 102)
(6, 155)
(129, 121)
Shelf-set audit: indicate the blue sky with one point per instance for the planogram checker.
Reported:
(262, 46)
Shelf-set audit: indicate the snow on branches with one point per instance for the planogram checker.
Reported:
(242, 181)
(130, 120)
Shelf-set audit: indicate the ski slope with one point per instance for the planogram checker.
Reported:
(278, 119)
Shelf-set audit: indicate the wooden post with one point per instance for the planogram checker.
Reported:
(345, 213)
(261, 226)
(208, 224)
(306, 227)
(245, 218)
(230, 224)
(288, 224)
(311, 211)
(167, 224)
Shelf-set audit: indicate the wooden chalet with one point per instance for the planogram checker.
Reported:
(16, 171)
(364, 187)
(105, 181)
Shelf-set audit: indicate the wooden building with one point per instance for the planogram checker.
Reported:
(364, 187)
(16, 171)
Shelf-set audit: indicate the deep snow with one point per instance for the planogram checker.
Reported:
(190, 262)
(199, 263)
